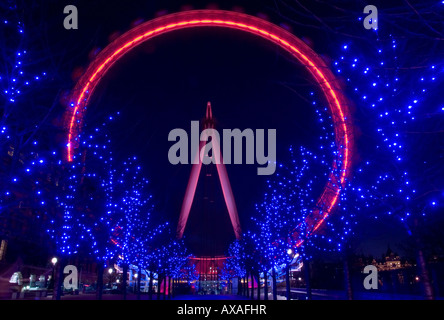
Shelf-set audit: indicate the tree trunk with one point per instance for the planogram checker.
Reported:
(258, 286)
(165, 287)
(347, 279)
(265, 285)
(252, 285)
(307, 278)
(424, 276)
(170, 289)
(247, 290)
(139, 279)
(273, 275)
(159, 283)
(99, 289)
(58, 281)
(150, 289)
(228, 287)
(240, 286)
(124, 279)
(287, 282)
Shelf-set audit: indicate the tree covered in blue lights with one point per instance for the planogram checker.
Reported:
(20, 81)
(281, 231)
(399, 176)
(235, 265)
(178, 259)
(133, 232)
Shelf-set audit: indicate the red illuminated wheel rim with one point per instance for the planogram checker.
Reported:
(326, 81)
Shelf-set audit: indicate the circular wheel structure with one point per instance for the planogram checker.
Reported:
(276, 35)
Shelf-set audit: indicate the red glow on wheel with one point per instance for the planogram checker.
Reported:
(326, 81)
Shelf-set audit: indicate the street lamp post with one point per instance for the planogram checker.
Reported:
(52, 283)
(110, 277)
(292, 254)
(53, 261)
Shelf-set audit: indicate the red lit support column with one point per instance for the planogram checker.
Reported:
(223, 178)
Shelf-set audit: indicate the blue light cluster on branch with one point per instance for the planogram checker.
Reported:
(290, 197)
(15, 76)
(235, 265)
(395, 96)
(133, 232)
(172, 257)
(85, 197)
(384, 88)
